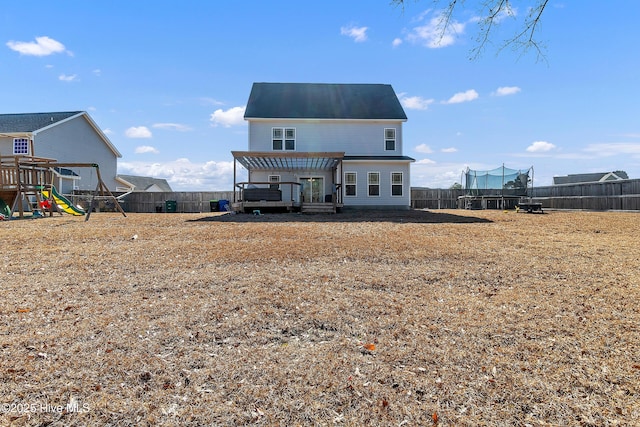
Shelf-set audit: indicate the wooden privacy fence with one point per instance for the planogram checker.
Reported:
(609, 195)
(185, 201)
(433, 198)
(600, 196)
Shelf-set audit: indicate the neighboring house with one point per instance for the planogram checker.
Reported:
(143, 184)
(590, 177)
(67, 137)
(324, 144)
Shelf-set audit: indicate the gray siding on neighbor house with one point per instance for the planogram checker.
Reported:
(76, 141)
(355, 138)
(385, 199)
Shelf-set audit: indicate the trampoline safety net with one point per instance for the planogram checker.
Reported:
(499, 181)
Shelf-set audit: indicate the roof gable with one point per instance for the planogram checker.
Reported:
(26, 124)
(31, 122)
(146, 183)
(590, 177)
(323, 101)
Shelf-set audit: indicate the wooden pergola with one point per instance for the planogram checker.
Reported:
(287, 161)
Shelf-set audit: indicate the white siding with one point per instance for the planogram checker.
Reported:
(355, 138)
(385, 199)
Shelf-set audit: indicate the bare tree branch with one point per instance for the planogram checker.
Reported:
(492, 12)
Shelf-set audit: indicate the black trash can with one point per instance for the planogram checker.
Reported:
(213, 204)
(171, 205)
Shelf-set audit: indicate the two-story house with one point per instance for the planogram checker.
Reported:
(321, 147)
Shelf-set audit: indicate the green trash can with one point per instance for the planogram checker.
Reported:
(171, 206)
(213, 204)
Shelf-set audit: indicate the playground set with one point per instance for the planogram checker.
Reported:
(31, 178)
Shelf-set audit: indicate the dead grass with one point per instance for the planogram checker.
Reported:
(459, 318)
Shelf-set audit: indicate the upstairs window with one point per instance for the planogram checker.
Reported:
(283, 139)
(20, 146)
(373, 180)
(350, 179)
(396, 183)
(390, 139)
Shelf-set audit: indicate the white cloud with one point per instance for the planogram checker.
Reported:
(449, 150)
(185, 175)
(438, 175)
(415, 102)
(143, 149)
(43, 46)
(507, 90)
(65, 78)
(172, 126)
(423, 148)
(396, 42)
(460, 97)
(358, 34)
(614, 149)
(107, 131)
(433, 35)
(540, 147)
(231, 117)
(97, 72)
(425, 162)
(138, 132)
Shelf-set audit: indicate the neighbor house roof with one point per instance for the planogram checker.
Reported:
(590, 177)
(323, 101)
(29, 124)
(143, 183)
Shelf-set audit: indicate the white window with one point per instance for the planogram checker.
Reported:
(390, 139)
(350, 180)
(289, 139)
(20, 146)
(277, 138)
(283, 139)
(373, 181)
(274, 182)
(396, 183)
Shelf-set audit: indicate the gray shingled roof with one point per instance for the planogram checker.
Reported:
(31, 122)
(142, 183)
(589, 177)
(323, 101)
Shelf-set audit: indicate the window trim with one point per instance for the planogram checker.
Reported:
(369, 185)
(274, 184)
(401, 185)
(394, 139)
(282, 140)
(23, 142)
(355, 184)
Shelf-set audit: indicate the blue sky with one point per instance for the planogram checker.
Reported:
(168, 81)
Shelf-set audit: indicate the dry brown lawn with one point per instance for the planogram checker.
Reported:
(419, 318)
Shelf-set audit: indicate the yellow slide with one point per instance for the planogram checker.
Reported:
(63, 203)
